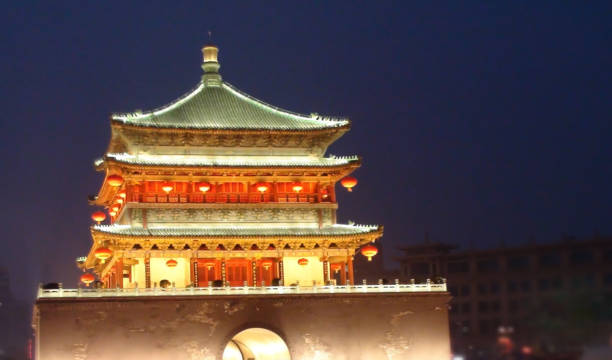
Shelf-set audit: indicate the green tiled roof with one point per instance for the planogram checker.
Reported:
(225, 107)
(246, 161)
(337, 229)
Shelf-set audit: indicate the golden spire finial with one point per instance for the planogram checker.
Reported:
(210, 63)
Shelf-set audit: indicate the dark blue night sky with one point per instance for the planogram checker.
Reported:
(478, 122)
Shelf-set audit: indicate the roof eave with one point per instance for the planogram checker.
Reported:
(243, 131)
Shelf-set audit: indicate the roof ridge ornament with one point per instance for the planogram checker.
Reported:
(210, 65)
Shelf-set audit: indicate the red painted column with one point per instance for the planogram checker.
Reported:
(350, 271)
(223, 273)
(281, 270)
(343, 273)
(325, 272)
(254, 272)
(119, 273)
(194, 271)
(147, 264)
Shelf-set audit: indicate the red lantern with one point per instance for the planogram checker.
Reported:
(103, 254)
(167, 187)
(171, 263)
(87, 279)
(303, 262)
(336, 267)
(98, 216)
(369, 251)
(349, 182)
(297, 188)
(267, 264)
(114, 180)
(204, 187)
(262, 187)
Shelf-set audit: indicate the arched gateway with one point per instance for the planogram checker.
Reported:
(256, 343)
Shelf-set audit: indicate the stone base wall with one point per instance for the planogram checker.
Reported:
(326, 326)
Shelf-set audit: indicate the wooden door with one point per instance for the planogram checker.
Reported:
(206, 272)
(237, 272)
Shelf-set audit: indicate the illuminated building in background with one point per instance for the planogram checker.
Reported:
(498, 293)
(222, 242)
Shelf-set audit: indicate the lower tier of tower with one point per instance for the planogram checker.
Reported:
(164, 269)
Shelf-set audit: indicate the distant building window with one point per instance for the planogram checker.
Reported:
(420, 268)
(525, 286)
(518, 263)
(487, 265)
(556, 283)
(494, 287)
(495, 306)
(512, 286)
(466, 326)
(495, 324)
(608, 279)
(458, 267)
(483, 326)
(482, 288)
(513, 306)
(581, 281)
(550, 260)
(483, 307)
(466, 308)
(465, 290)
(543, 284)
(581, 257)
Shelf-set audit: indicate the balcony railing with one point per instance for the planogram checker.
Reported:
(221, 197)
(241, 290)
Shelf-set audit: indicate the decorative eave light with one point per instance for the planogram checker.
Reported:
(303, 262)
(98, 216)
(262, 187)
(115, 207)
(167, 187)
(122, 194)
(369, 251)
(119, 201)
(114, 180)
(103, 254)
(204, 187)
(297, 188)
(349, 183)
(171, 263)
(112, 213)
(87, 279)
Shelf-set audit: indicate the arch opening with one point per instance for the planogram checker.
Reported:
(256, 344)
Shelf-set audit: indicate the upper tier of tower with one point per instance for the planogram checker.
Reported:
(217, 118)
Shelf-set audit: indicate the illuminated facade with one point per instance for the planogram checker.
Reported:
(223, 208)
(221, 187)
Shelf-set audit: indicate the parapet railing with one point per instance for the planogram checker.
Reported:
(239, 290)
